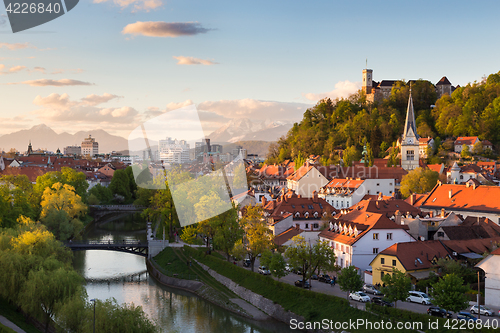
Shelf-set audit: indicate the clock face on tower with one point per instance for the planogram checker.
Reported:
(410, 141)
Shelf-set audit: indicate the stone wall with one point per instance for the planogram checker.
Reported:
(189, 285)
(266, 305)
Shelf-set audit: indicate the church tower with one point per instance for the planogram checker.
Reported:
(367, 81)
(409, 144)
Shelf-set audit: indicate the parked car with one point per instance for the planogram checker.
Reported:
(264, 270)
(418, 297)
(380, 301)
(297, 270)
(465, 316)
(288, 268)
(359, 296)
(324, 278)
(438, 312)
(484, 310)
(314, 277)
(247, 262)
(371, 289)
(305, 284)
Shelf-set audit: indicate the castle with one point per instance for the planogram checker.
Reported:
(376, 91)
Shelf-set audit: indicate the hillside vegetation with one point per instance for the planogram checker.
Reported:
(472, 110)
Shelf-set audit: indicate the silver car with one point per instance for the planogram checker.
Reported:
(484, 310)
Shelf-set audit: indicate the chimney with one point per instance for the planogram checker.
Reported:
(398, 217)
(264, 201)
(474, 186)
(443, 212)
(413, 198)
(314, 196)
(431, 213)
(467, 184)
(450, 194)
(379, 196)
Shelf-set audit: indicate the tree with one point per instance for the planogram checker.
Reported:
(257, 237)
(449, 293)
(120, 184)
(227, 231)
(350, 155)
(349, 280)
(465, 151)
(478, 148)
(310, 257)
(46, 288)
(275, 262)
(418, 180)
(396, 286)
(61, 210)
(103, 194)
(66, 176)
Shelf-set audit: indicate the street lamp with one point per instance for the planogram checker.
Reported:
(93, 300)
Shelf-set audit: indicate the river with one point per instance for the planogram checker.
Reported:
(124, 277)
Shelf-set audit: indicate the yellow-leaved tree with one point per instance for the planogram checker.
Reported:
(62, 209)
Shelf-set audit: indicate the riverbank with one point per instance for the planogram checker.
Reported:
(207, 289)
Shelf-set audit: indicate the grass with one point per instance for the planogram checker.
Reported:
(5, 329)
(172, 264)
(311, 305)
(10, 312)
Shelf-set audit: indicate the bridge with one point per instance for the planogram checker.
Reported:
(100, 211)
(127, 246)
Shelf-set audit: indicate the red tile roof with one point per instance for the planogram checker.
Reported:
(286, 235)
(301, 172)
(466, 140)
(417, 255)
(480, 199)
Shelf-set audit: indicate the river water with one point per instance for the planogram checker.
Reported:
(123, 276)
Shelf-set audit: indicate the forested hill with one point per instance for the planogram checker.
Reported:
(473, 110)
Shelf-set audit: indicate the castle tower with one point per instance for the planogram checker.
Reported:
(367, 81)
(409, 144)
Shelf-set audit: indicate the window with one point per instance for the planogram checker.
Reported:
(315, 225)
(410, 155)
(389, 236)
(342, 248)
(393, 262)
(440, 234)
(307, 225)
(382, 261)
(390, 184)
(381, 275)
(375, 236)
(378, 184)
(375, 250)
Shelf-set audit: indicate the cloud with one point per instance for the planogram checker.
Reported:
(60, 108)
(256, 109)
(16, 69)
(193, 61)
(96, 99)
(138, 5)
(12, 70)
(164, 29)
(55, 83)
(175, 106)
(342, 90)
(16, 46)
(39, 69)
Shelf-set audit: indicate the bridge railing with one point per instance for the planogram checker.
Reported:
(118, 207)
(108, 242)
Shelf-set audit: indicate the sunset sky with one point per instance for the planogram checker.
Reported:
(113, 64)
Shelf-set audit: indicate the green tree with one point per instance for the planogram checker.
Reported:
(102, 193)
(350, 155)
(227, 231)
(449, 293)
(465, 152)
(349, 280)
(478, 149)
(310, 257)
(120, 185)
(396, 286)
(418, 180)
(257, 238)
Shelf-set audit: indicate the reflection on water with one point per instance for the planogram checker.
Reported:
(124, 277)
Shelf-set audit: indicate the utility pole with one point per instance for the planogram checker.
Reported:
(478, 296)
(93, 300)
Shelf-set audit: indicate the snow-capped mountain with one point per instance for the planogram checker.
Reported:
(244, 130)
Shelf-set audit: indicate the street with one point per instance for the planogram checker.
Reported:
(326, 288)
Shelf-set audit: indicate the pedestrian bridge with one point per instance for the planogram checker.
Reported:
(128, 246)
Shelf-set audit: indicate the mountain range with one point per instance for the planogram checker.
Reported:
(236, 131)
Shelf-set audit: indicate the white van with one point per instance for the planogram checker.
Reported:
(418, 297)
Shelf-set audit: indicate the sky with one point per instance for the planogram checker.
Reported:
(114, 64)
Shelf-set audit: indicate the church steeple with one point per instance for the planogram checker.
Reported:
(30, 149)
(410, 125)
(409, 146)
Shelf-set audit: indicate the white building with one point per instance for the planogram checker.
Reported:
(346, 192)
(358, 239)
(306, 180)
(490, 265)
(173, 151)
